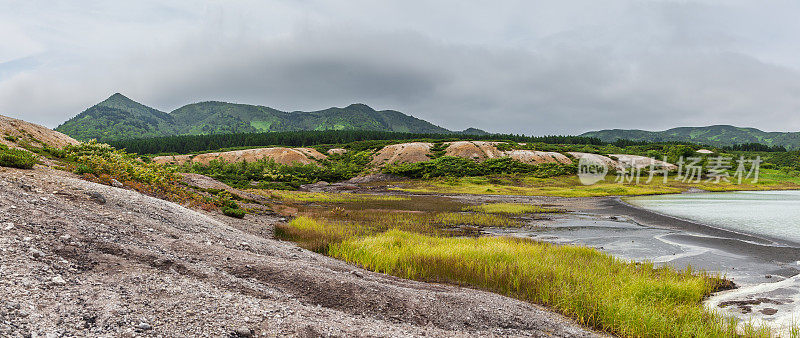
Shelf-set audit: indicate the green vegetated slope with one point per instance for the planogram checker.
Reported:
(720, 135)
(119, 118)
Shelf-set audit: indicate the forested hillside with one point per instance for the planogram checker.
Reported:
(720, 136)
(119, 118)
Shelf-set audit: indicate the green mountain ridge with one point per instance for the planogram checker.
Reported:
(717, 135)
(119, 117)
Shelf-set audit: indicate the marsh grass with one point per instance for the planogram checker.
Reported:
(423, 222)
(596, 289)
(319, 197)
(510, 208)
(570, 186)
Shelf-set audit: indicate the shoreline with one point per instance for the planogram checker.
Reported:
(751, 245)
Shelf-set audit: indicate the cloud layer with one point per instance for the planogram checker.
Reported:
(530, 67)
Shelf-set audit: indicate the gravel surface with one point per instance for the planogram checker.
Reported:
(83, 259)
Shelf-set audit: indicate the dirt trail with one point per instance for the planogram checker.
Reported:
(83, 259)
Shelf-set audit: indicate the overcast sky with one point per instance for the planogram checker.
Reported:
(532, 67)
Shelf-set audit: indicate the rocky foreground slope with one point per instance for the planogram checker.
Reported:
(83, 259)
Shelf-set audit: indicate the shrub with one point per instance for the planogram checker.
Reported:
(101, 163)
(233, 212)
(17, 158)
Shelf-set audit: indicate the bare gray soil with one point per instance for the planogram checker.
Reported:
(83, 259)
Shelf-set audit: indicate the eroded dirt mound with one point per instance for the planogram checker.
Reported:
(279, 155)
(173, 159)
(13, 131)
(537, 157)
(635, 161)
(83, 259)
(413, 152)
(595, 158)
(475, 150)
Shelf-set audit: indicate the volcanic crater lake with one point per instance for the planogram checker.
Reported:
(774, 214)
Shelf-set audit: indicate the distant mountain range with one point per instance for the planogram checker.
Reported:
(719, 135)
(119, 117)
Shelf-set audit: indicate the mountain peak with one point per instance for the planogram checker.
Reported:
(360, 106)
(117, 97)
(118, 100)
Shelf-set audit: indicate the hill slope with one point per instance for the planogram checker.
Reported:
(719, 135)
(118, 117)
(121, 118)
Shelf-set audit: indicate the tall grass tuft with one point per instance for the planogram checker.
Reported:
(510, 208)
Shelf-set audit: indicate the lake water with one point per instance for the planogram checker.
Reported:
(770, 213)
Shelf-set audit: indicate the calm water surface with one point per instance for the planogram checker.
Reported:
(770, 213)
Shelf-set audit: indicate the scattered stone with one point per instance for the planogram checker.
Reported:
(769, 311)
(115, 183)
(142, 326)
(65, 237)
(58, 280)
(97, 197)
(768, 276)
(35, 253)
(8, 226)
(242, 332)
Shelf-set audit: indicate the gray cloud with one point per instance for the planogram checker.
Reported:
(536, 68)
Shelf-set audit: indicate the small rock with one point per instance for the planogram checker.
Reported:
(27, 239)
(768, 276)
(65, 237)
(143, 326)
(35, 253)
(245, 244)
(242, 332)
(97, 197)
(58, 280)
(8, 226)
(769, 311)
(115, 183)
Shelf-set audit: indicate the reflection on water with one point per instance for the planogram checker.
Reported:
(771, 213)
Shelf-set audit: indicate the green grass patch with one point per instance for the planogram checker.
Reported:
(320, 197)
(510, 208)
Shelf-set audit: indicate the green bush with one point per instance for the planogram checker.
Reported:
(233, 212)
(270, 174)
(17, 158)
